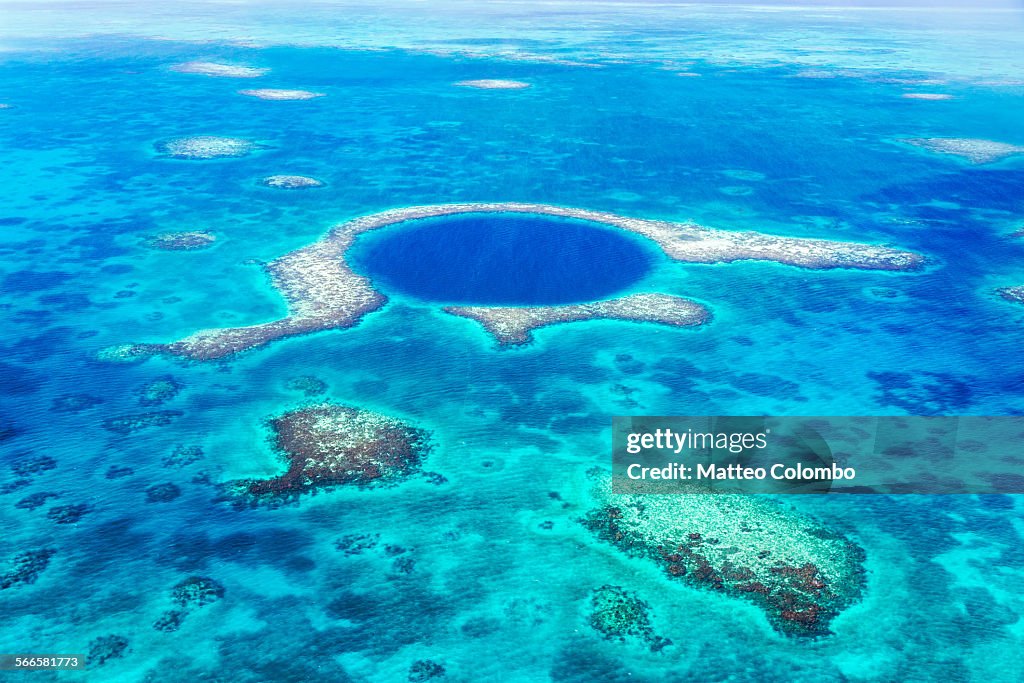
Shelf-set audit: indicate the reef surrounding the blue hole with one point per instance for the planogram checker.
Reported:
(323, 292)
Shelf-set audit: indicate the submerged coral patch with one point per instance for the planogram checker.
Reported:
(159, 391)
(423, 670)
(974, 150)
(278, 94)
(126, 424)
(493, 84)
(291, 182)
(183, 456)
(197, 591)
(162, 493)
(68, 514)
(220, 70)
(25, 567)
(327, 445)
(323, 292)
(205, 147)
(1015, 294)
(34, 500)
(74, 403)
(307, 384)
(105, 648)
(619, 614)
(30, 464)
(193, 593)
(182, 241)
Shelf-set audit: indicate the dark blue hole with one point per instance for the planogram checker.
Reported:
(526, 259)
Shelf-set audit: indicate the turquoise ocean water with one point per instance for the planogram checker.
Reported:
(782, 121)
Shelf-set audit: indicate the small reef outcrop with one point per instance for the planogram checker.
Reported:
(188, 240)
(280, 94)
(1014, 294)
(191, 594)
(291, 182)
(219, 70)
(25, 567)
(199, 147)
(618, 614)
(931, 96)
(493, 84)
(105, 648)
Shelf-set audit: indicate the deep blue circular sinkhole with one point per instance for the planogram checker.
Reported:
(502, 259)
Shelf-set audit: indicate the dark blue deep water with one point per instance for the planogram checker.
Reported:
(494, 259)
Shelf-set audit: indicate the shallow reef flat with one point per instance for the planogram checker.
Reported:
(205, 147)
(290, 182)
(323, 292)
(974, 150)
(278, 94)
(1015, 294)
(493, 84)
(219, 70)
(326, 445)
(799, 572)
(514, 325)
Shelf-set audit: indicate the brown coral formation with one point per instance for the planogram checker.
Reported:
(800, 573)
(324, 293)
(327, 445)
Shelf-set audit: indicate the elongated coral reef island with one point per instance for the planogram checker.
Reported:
(973, 150)
(323, 292)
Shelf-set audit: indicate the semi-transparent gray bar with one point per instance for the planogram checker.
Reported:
(745, 454)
